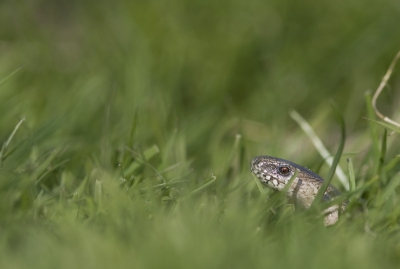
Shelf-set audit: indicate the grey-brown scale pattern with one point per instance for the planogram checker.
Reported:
(276, 173)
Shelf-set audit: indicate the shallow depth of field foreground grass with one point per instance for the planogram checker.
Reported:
(127, 132)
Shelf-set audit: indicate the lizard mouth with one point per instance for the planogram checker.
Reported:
(260, 175)
(265, 178)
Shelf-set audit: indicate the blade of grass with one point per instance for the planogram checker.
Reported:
(336, 160)
(320, 147)
(79, 191)
(51, 169)
(389, 190)
(259, 185)
(43, 167)
(233, 153)
(352, 178)
(11, 150)
(5, 145)
(373, 128)
(392, 164)
(386, 125)
(146, 162)
(4, 80)
(148, 154)
(36, 204)
(202, 187)
(382, 151)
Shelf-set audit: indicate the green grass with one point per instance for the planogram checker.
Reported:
(141, 118)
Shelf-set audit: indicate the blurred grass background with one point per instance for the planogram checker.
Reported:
(142, 118)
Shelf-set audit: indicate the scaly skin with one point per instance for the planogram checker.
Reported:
(276, 173)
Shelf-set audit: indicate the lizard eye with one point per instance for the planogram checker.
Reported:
(284, 170)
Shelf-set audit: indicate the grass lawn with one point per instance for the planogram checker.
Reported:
(128, 128)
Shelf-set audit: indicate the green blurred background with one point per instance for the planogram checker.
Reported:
(191, 63)
(186, 76)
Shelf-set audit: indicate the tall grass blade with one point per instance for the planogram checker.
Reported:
(336, 160)
(352, 178)
(320, 147)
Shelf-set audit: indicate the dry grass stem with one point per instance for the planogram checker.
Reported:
(380, 88)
